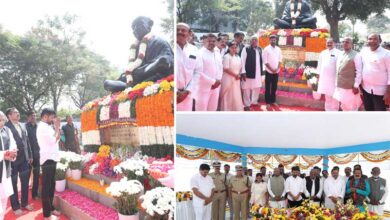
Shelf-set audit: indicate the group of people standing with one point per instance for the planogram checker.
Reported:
(213, 191)
(27, 148)
(225, 75)
(348, 78)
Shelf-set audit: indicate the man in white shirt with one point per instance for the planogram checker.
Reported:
(8, 152)
(379, 192)
(187, 63)
(276, 190)
(208, 81)
(295, 187)
(334, 189)
(314, 187)
(375, 75)
(327, 71)
(272, 58)
(252, 68)
(47, 138)
(202, 186)
(221, 46)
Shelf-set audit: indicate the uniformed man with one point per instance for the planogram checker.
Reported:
(219, 199)
(239, 187)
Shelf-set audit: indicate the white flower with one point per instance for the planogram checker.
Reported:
(61, 166)
(282, 33)
(151, 90)
(314, 34)
(160, 201)
(124, 186)
(313, 80)
(124, 110)
(105, 113)
(105, 101)
(91, 137)
(92, 168)
(132, 165)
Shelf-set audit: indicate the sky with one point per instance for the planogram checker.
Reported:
(107, 23)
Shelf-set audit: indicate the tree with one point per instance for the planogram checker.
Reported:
(260, 15)
(168, 22)
(378, 24)
(279, 7)
(338, 10)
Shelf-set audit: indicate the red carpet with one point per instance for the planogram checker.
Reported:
(33, 215)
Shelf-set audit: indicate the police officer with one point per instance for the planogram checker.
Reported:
(239, 186)
(219, 199)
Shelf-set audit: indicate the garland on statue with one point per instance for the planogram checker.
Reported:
(295, 14)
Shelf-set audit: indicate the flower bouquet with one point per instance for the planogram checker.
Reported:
(126, 193)
(346, 211)
(76, 165)
(260, 213)
(184, 196)
(159, 203)
(60, 176)
(312, 77)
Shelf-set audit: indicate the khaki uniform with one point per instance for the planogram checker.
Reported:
(219, 198)
(240, 187)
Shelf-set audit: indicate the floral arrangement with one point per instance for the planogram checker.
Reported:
(126, 193)
(259, 212)
(184, 196)
(76, 161)
(160, 202)
(303, 32)
(312, 77)
(102, 163)
(61, 171)
(132, 169)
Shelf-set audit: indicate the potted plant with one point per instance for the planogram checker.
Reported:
(134, 169)
(159, 203)
(75, 165)
(126, 193)
(60, 176)
(65, 158)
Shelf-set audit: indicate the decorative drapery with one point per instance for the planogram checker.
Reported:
(376, 156)
(285, 159)
(312, 159)
(226, 157)
(191, 153)
(260, 158)
(343, 159)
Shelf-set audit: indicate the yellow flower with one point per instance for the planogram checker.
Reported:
(165, 86)
(142, 85)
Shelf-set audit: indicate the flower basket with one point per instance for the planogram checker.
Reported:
(159, 203)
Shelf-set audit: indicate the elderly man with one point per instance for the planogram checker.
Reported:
(334, 189)
(219, 200)
(71, 136)
(276, 190)
(187, 63)
(239, 189)
(327, 71)
(252, 69)
(375, 75)
(203, 187)
(314, 187)
(209, 80)
(8, 152)
(359, 188)
(272, 58)
(348, 68)
(295, 187)
(379, 192)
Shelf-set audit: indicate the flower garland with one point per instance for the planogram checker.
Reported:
(311, 160)
(376, 157)
(91, 137)
(347, 158)
(259, 159)
(88, 120)
(295, 14)
(227, 157)
(285, 159)
(195, 154)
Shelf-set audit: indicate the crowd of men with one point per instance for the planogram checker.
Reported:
(214, 191)
(27, 148)
(227, 75)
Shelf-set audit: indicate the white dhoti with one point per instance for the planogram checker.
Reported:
(251, 90)
(349, 101)
(277, 204)
(207, 101)
(378, 209)
(331, 104)
(186, 104)
(203, 212)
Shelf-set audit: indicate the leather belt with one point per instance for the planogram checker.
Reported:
(243, 192)
(220, 191)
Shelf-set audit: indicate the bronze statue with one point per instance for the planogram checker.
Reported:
(297, 14)
(151, 58)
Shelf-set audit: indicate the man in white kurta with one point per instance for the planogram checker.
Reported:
(203, 187)
(295, 187)
(334, 189)
(7, 153)
(251, 73)
(208, 81)
(327, 71)
(187, 63)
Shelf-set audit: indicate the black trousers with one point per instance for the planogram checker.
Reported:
(373, 102)
(271, 85)
(20, 168)
(293, 204)
(36, 167)
(48, 186)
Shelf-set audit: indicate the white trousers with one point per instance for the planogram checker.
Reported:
(251, 96)
(207, 101)
(203, 212)
(331, 104)
(4, 207)
(378, 209)
(186, 104)
(277, 204)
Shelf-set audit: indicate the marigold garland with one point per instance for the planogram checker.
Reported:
(376, 157)
(315, 44)
(191, 154)
(312, 159)
(343, 159)
(88, 120)
(285, 159)
(227, 157)
(260, 159)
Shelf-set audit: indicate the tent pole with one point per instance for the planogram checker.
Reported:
(325, 162)
(243, 160)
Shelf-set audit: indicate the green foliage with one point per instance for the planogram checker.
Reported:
(378, 24)
(63, 112)
(168, 22)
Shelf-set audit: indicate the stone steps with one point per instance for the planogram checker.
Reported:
(296, 99)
